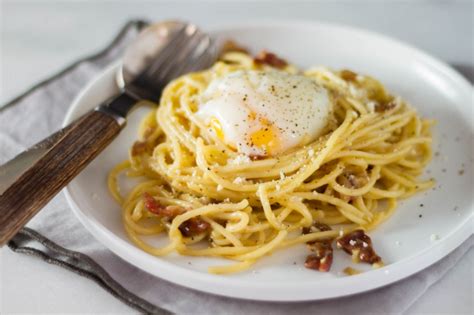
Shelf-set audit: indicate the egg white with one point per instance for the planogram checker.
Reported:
(265, 113)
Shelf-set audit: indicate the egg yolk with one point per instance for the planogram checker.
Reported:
(265, 138)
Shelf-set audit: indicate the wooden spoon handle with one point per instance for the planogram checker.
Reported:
(74, 147)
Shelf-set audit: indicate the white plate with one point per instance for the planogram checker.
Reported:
(405, 242)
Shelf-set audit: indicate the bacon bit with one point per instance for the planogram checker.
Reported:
(141, 146)
(322, 258)
(348, 75)
(323, 253)
(256, 157)
(194, 226)
(138, 148)
(188, 228)
(316, 227)
(231, 46)
(359, 245)
(152, 205)
(386, 106)
(265, 57)
(353, 178)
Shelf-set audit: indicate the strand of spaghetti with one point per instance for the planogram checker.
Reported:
(129, 221)
(420, 186)
(172, 129)
(178, 220)
(240, 225)
(374, 176)
(362, 143)
(413, 141)
(173, 201)
(269, 171)
(270, 216)
(219, 251)
(311, 237)
(326, 179)
(360, 204)
(250, 165)
(296, 204)
(314, 163)
(202, 163)
(387, 172)
(349, 211)
(325, 73)
(380, 217)
(386, 128)
(362, 121)
(224, 232)
(357, 105)
(218, 239)
(138, 191)
(137, 212)
(259, 227)
(177, 155)
(333, 220)
(373, 158)
(263, 250)
(112, 180)
(395, 118)
(150, 249)
(382, 193)
(410, 164)
(232, 268)
(355, 161)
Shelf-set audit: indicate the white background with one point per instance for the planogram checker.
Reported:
(39, 38)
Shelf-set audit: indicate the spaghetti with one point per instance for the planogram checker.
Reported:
(196, 190)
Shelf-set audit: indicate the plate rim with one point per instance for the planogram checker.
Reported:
(239, 289)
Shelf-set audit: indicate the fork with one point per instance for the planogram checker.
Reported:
(160, 53)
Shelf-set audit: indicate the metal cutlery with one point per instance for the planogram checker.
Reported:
(160, 53)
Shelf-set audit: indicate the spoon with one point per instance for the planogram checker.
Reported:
(160, 53)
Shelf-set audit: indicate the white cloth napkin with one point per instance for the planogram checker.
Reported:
(41, 111)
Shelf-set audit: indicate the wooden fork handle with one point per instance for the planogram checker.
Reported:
(73, 148)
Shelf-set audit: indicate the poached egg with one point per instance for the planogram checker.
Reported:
(264, 113)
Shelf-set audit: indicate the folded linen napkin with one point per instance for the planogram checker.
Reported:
(79, 252)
